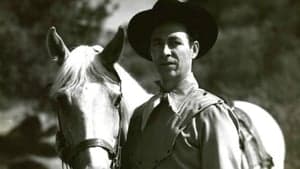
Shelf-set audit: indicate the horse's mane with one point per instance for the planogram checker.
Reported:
(78, 67)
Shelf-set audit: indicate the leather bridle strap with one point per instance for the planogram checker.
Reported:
(70, 152)
(116, 160)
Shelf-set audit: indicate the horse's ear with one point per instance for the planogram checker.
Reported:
(56, 46)
(113, 50)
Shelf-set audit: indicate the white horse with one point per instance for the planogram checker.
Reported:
(88, 89)
(89, 97)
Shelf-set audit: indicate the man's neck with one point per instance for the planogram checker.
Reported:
(169, 84)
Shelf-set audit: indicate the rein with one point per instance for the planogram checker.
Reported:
(68, 153)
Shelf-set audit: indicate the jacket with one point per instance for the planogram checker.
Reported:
(190, 130)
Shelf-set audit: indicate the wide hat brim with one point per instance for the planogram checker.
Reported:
(194, 17)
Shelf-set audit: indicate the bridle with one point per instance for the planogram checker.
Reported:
(68, 153)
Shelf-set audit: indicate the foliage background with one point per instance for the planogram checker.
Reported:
(256, 58)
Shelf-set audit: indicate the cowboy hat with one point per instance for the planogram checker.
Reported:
(196, 19)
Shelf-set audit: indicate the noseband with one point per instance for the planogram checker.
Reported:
(68, 153)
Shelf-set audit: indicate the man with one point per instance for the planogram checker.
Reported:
(183, 126)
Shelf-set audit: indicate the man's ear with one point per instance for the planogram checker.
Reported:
(56, 46)
(195, 49)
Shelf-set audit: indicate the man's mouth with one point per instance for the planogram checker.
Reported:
(168, 63)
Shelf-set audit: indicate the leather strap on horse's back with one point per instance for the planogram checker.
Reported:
(252, 146)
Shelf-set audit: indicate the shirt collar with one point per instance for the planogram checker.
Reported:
(176, 97)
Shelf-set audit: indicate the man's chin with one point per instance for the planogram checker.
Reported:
(169, 74)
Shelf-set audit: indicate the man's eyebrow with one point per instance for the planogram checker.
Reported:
(173, 38)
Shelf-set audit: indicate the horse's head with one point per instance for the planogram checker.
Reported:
(87, 92)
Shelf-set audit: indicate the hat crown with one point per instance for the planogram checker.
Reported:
(168, 5)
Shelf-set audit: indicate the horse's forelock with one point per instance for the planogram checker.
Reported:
(76, 69)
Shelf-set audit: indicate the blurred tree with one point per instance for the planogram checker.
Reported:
(25, 69)
(257, 50)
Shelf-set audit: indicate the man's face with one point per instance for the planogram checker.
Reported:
(171, 51)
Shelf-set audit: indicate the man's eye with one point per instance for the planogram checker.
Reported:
(178, 42)
(175, 43)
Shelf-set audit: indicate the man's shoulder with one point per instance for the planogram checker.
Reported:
(202, 98)
(200, 103)
(199, 100)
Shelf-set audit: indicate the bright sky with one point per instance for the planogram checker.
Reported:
(126, 10)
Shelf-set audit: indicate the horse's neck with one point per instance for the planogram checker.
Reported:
(134, 94)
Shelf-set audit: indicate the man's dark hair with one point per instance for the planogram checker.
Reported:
(192, 35)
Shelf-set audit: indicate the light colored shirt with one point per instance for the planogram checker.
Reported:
(175, 97)
(157, 139)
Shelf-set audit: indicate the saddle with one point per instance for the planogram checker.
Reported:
(250, 143)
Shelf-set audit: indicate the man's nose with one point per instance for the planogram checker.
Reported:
(166, 50)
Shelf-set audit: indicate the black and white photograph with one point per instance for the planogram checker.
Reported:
(149, 84)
